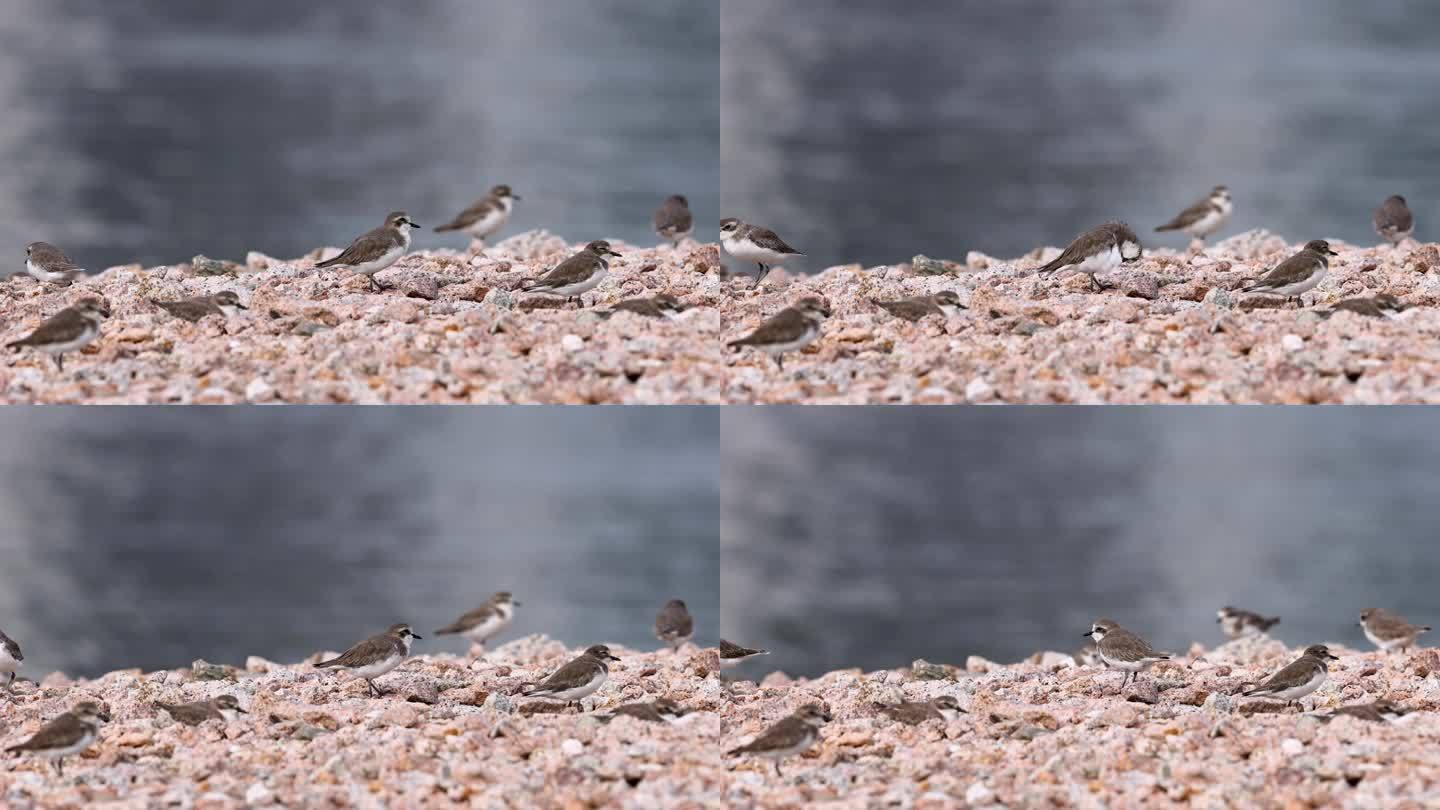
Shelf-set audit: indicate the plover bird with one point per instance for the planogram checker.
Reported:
(576, 275)
(1123, 650)
(377, 249)
(68, 330)
(672, 220)
(222, 707)
(663, 305)
(944, 708)
(1204, 217)
(375, 656)
(1297, 274)
(1393, 220)
(944, 303)
(673, 625)
(224, 303)
(578, 679)
(1389, 631)
(487, 216)
(660, 710)
(751, 243)
(47, 263)
(791, 329)
(1101, 249)
(10, 659)
(733, 655)
(1382, 305)
(484, 622)
(792, 735)
(69, 733)
(1236, 622)
(1381, 711)
(1298, 678)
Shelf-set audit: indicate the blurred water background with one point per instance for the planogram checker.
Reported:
(864, 133)
(153, 130)
(874, 536)
(151, 537)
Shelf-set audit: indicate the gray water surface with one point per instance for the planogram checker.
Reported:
(874, 536)
(157, 129)
(151, 537)
(867, 132)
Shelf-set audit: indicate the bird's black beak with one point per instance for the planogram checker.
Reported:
(1331, 252)
(240, 710)
(1218, 620)
(239, 305)
(413, 635)
(1087, 634)
(1333, 657)
(616, 255)
(613, 658)
(516, 197)
(516, 603)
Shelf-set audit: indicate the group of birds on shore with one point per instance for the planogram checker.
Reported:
(77, 325)
(75, 730)
(1115, 647)
(1103, 249)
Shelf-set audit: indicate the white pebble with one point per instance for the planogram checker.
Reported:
(1291, 746)
(1292, 343)
(258, 794)
(979, 794)
(258, 390)
(572, 343)
(978, 390)
(572, 747)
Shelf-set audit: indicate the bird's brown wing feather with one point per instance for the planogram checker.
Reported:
(1291, 675)
(1085, 245)
(576, 673)
(787, 733)
(785, 326)
(476, 212)
(367, 248)
(573, 270)
(370, 650)
(1189, 216)
(63, 731)
(1291, 271)
(63, 326)
(672, 217)
(767, 239)
(469, 620)
(675, 620)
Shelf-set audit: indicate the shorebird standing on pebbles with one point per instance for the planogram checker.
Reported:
(375, 656)
(68, 330)
(672, 221)
(1381, 711)
(576, 275)
(1237, 623)
(1121, 649)
(10, 659)
(1382, 305)
(1393, 220)
(578, 679)
(733, 655)
(224, 303)
(752, 243)
(47, 263)
(1297, 679)
(673, 624)
(484, 622)
(663, 305)
(70, 733)
(792, 735)
(1389, 631)
(944, 303)
(791, 329)
(1204, 217)
(1102, 249)
(377, 249)
(1298, 274)
(944, 708)
(485, 217)
(222, 707)
(660, 710)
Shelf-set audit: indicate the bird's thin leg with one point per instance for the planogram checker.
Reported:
(780, 361)
(764, 271)
(778, 774)
(60, 766)
(374, 688)
(60, 362)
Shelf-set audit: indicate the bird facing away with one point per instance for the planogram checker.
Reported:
(376, 250)
(672, 220)
(660, 710)
(68, 330)
(47, 263)
(790, 329)
(733, 655)
(1393, 220)
(484, 622)
(944, 708)
(1101, 249)
(375, 656)
(10, 659)
(674, 625)
(751, 243)
(1298, 678)
(1121, 649)
(1381, 305)
(224, 303)
(1297, 274)
(221, 707)
(486, 216)
(576, 275)
(944, 303)
(578, 679)
(1389, 631)
(69, 733)
(1236, 622)
(1204, 217)
(790, 736)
